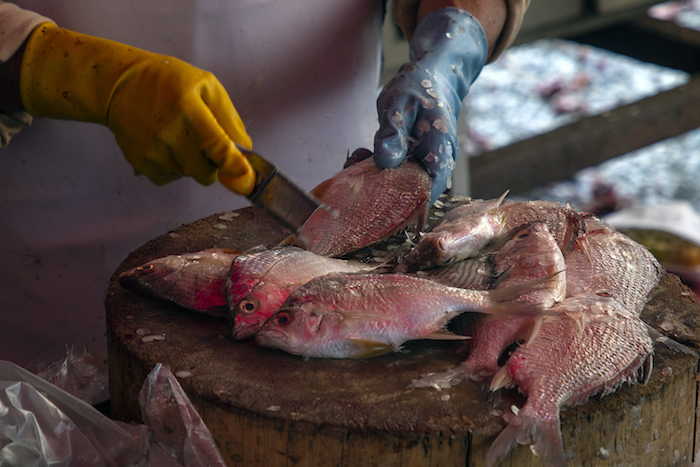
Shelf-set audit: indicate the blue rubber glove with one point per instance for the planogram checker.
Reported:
(418, 108)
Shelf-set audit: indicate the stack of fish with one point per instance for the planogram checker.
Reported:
(561, 288)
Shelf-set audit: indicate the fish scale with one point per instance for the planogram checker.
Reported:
(364, 205)
(554, 371)
(607, 260)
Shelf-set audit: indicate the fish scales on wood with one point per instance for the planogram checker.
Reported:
(261, 280)
(364, 205)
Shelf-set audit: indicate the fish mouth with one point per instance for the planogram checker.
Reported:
(267, 336)
(246, 328)
(245, 332)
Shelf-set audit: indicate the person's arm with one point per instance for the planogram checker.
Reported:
(16, 24)
(418, 108)
(408, 14)
(491, 14)
(10, 101)
(168, 117)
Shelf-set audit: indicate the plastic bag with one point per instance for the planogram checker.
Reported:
(41, 424)
(82, 372)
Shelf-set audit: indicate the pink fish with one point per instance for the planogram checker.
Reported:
(565, 366)
(605, 260)
(196, 281)
(467, 229)
(364, 205)
(531, 254)
(260, 281)
(351, 316)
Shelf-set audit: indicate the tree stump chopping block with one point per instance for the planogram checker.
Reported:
(265, 407)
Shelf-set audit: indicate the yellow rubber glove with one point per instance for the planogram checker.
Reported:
(169, 118)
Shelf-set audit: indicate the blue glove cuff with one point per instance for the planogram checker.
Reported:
(418, 108)
(451, 42)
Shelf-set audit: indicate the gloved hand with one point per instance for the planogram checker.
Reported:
(418, 108)
(169, 118)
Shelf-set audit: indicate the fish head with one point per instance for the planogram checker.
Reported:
(531, 254)
(298, 329)
(145, 279)
(456, 240)
(248, 315)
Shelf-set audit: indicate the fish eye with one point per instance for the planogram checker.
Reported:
(282, 318)
(248, 305)
(147, 268)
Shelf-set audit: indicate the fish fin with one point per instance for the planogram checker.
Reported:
(255, 249)
(370, 348)
(525, 428)
(656, 336)
(501, 379)
(495, 204)
(535, 331)
(442, 380)
(586, 248)
(289, 240)
(501, 276)
(445, 335)
(502, 197)
(644, 372)
(581, 320)
(319, 190)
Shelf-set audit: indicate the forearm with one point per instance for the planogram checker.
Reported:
(491, 14)
(500, 19)
(16, 24)
(10, 100)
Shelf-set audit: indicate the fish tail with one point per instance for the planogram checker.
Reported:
(586, 248)
(515, 309)
(526, 428)
(535, 330)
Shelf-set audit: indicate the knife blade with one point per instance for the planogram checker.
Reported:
(278, 194)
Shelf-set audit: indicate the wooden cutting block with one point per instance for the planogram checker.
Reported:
(267, 408)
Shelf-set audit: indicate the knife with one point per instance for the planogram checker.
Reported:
(278, 194)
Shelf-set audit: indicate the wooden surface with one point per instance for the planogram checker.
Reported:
(265, 407)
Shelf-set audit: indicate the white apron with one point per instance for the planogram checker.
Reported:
(303, 75)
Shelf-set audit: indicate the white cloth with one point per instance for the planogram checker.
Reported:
(302, 74)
